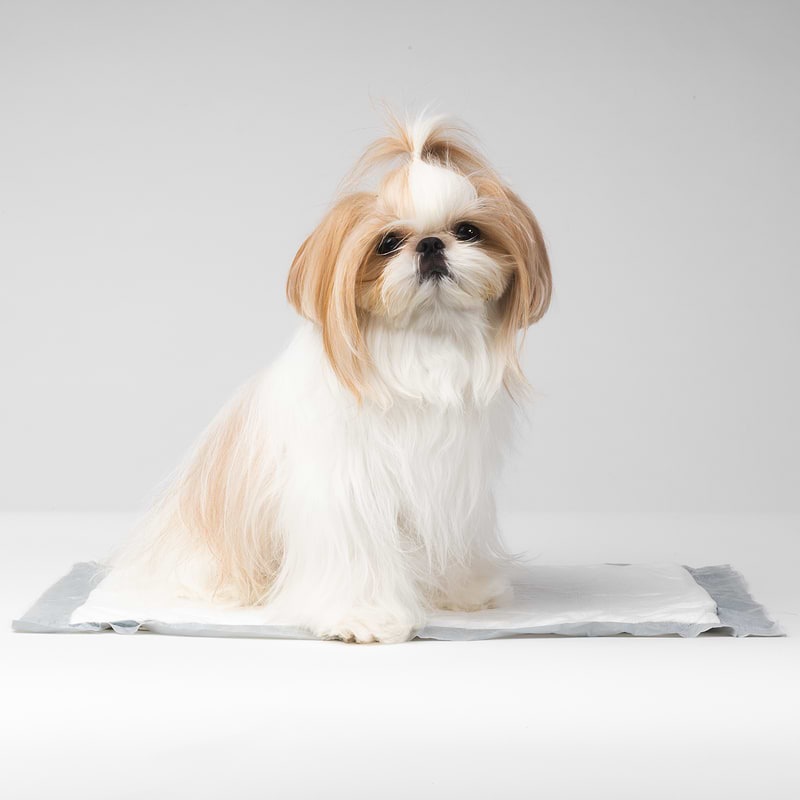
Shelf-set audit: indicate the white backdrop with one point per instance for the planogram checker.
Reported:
(160, 162)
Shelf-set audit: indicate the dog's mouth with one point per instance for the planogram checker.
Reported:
(433, 267)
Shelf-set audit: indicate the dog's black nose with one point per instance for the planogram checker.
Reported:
(430, 245)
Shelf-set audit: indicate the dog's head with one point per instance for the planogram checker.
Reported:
(440, 239)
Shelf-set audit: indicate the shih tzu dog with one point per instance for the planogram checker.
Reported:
(348, 488)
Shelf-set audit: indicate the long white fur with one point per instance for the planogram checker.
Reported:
(367, 513)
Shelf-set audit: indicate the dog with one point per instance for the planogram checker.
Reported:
(349, 487)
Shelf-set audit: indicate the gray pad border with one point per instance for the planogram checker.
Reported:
(739, 614)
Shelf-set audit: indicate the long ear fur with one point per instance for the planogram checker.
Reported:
(533, 284)
(528, 295)
(323, 280)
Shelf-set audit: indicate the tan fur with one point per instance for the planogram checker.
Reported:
(225, 495)
(322, 283)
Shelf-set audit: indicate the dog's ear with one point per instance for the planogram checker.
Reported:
(531, 283)
(527, 297)
(323, 281)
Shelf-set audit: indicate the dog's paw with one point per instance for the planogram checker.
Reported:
(478, 594)
(464, 604)
(364, 628)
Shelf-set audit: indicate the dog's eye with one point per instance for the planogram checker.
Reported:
(467, 232)
(390, 242)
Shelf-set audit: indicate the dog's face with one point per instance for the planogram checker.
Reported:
(435, 249)
(440, 240)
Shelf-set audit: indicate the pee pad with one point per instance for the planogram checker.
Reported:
(592, 600)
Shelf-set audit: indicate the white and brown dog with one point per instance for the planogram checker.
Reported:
(348, 488)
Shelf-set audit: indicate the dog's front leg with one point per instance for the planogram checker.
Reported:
(480, 580)
(346, 574)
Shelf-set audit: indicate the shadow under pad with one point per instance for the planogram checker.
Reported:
(595, 600)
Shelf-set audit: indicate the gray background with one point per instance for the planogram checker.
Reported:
(160, 162)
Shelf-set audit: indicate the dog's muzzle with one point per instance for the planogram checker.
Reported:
(432, 262)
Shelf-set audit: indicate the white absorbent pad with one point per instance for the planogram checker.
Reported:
(593, 600)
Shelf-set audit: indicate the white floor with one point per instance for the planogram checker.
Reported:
(145, 716)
